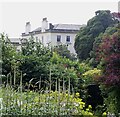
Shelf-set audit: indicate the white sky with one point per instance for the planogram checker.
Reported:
(16, 14)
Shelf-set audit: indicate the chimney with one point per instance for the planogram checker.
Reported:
(50, 26)
(44, 24)
(27, 27)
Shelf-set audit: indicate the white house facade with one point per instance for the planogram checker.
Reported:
(53, 34)
(18, 42)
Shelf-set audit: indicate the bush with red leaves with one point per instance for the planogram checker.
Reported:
(109, 53)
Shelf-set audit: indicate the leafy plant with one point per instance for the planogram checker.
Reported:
(49, 103)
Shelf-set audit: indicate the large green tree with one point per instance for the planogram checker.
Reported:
(35, 61)
(86, 36)
(8, 54)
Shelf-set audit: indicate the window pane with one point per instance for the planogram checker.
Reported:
(58, 38)
(68, 39)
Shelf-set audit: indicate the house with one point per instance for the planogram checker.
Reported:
(53, 35)
(18, 42)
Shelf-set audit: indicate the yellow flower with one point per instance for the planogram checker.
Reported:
(82, 103)
(77, 94)
(104, 114)
(81, 107)
(87, 109)
(90, 113)
(89, 106)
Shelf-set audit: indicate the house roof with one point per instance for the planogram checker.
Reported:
(56, 28)
(15, 40)
(37, 29)
(67, 26)
(62, 27)
(18, 41)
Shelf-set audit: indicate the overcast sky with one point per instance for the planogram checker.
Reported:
(16, 14)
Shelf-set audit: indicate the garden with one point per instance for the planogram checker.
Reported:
(50, 81)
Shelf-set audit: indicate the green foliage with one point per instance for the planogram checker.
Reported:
(8, 54)
(108, 56)
(91, 76)
(92, 93)
(36, 60)
(111, 98)
(98, 40)
(10, 61)
(87, 35)
(48, 104)
(63, 51)
(65, 68)
(56, 69)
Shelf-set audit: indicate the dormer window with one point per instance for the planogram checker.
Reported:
(58, 38)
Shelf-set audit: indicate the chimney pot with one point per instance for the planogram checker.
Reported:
(27, 27)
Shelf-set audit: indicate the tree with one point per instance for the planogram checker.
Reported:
(109, 56)
(10, 63)
(64, 52)
(86, 36)
(35, 61)
(97, 42)
(8, 54)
